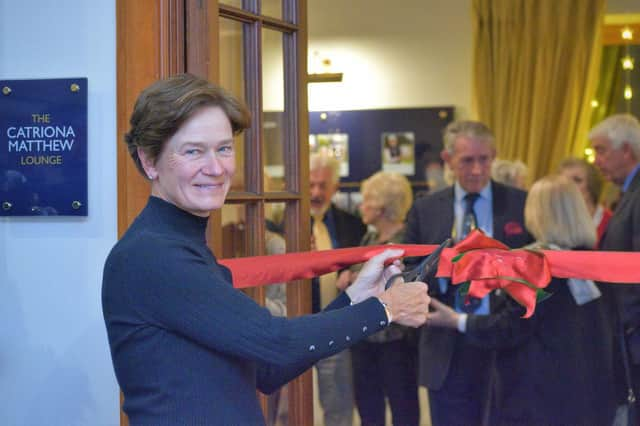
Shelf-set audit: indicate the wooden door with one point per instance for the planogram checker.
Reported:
(257, 50)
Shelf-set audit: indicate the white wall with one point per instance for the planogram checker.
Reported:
(408, 53)
(55, 367)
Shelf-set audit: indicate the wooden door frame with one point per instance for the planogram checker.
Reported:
(150, 40)
(150, 46)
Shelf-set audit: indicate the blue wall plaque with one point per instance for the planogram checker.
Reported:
(43, 147)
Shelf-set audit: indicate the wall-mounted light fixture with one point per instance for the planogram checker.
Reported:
(321, 70)
(326, 77)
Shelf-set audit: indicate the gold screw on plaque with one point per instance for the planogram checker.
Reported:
(75, 87)
(76, 205)
(6, 90)
(6, 205)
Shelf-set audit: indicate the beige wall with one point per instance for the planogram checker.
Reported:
(397, 54)
(407, 53)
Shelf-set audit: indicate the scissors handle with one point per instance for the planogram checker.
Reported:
(392, 279)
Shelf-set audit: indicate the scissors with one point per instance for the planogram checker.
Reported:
(423, 269)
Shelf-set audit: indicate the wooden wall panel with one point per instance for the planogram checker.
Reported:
(137, 62)
(150, 45)
(299, 294)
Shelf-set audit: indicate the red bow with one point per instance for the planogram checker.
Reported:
(489, 265)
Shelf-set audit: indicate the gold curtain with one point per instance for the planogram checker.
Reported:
(611, 83)
(535, 72)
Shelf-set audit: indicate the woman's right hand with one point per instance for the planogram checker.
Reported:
(408, 303)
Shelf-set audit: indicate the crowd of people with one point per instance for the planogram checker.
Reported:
(481, 363)
(189, 349)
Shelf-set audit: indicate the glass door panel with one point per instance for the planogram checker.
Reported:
(232, 77)
(273, 109)
(272, 8)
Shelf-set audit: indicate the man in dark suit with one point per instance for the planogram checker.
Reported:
(616, 142)
(455, 367)
(332, 228)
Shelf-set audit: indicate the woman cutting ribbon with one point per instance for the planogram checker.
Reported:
(188, 348)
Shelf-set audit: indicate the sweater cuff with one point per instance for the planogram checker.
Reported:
(387, 311)
(462, 323)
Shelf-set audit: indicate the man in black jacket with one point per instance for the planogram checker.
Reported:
(332, 228)
(455, 369)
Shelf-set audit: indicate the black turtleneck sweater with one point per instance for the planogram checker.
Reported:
(188, 348)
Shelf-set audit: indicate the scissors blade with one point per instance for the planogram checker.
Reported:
(427, 266)
(423, 269)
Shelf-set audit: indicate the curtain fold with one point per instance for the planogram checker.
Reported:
(611, 83)
(536, 65)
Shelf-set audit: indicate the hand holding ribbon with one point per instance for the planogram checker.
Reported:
(373, 276)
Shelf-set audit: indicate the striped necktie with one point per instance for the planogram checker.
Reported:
(469, 223)
(469, 219)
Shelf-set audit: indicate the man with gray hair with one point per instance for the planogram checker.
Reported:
(616, 143)
(456, 348)
(331, 228)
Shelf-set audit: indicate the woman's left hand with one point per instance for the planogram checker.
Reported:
(373, 276)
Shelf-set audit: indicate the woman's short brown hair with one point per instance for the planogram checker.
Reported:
(163, 107)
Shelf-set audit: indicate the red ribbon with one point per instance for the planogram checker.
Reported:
(486, 267)
(262, 270)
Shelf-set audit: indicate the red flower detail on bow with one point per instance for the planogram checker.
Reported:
(489, 265)
(512, 228)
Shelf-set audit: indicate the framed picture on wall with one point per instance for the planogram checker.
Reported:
(333, 144)
(398, 152)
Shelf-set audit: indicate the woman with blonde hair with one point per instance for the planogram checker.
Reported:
(384, 364)
(565, 358)
(386, 199)
(557, 216)
(555, 368)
